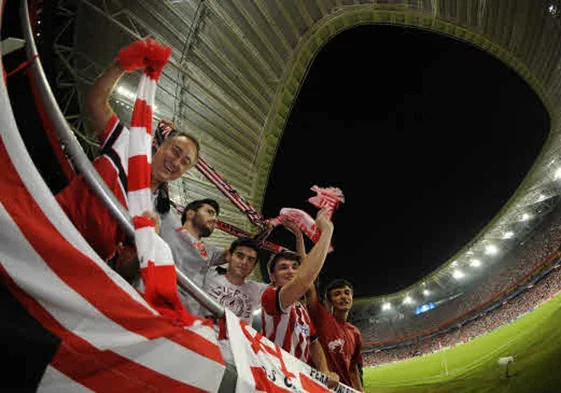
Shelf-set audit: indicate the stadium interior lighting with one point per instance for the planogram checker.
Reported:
(455, 263)
(525, 217)
(426, 292)
(552, 9)
(386, 306)
(491, 249)
(475, 263)
(458, 274)
(470, 252)
(126, 92)
(508, 235)
(407, 300)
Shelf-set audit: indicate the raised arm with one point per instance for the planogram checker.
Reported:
(297, 232)
(97, 99)
(311, 264)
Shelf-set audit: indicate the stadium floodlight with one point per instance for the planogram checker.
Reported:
(407, 300)
(386, 306)
(508, 235)
(458, 274)
(526, 217)
(454, 263)
(491, 249)
(470, 252)
(557, 174)
(126, 92)
(475, 263)
(426, 292)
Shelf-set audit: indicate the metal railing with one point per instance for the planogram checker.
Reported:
(82, 163)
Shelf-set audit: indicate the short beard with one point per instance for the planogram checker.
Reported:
(204, 231)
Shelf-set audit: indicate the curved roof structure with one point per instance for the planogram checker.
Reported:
(237, 67)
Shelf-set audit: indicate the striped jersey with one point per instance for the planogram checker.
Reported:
(291, 329)
(87, 212)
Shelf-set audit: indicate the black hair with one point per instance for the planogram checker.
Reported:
(335, 284)
(244, 242)
(196, 205)
(288, 255)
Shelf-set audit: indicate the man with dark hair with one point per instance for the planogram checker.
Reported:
(285, 320)
(87, 212)
(340, 340)
(191, 255)
(231, 288)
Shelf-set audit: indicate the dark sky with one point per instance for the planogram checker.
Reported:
(428, 137)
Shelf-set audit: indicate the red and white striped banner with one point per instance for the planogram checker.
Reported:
(265, 367)
(111, 338)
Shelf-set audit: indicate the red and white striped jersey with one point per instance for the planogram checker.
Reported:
(291, 329)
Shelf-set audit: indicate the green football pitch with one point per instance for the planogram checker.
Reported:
(534, 341)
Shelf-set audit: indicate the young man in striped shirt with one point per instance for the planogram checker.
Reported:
(285, 320)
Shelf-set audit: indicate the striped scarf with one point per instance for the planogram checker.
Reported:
(157, 268)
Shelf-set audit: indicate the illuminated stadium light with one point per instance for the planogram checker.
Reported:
(426, 292)
(526, 217)
(552, 9)
(458, 274)
(126, 92)
(470, 252)
(475, 263)
(557, 174)
(455, 263)
(386, 306)
(508, 235)
(491, 249)
(407, 300)
(541, 197)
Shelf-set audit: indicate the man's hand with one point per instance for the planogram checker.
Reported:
(332, 379)
(155, 217)
(323, 223)
(291, 226)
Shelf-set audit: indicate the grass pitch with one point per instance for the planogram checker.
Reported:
(533, 340)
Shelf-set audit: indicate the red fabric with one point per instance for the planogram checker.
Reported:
(88, 213)
(291, 330)
(341, 342)
(131, 57)
(147, 54)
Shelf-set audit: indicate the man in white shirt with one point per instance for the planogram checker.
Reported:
(231, 287)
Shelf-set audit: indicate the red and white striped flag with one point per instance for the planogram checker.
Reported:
(103, 335)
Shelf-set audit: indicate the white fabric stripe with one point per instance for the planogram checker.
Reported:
(121, 147)
(33, 276)
(146, 89)
(296, 334)
(45, 199)
(176, 362)
(282, 328)
(140, 144)
(150, 245)
(54, 381)
(139, 201)
(268, 324)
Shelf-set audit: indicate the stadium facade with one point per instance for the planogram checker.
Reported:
(236, 70)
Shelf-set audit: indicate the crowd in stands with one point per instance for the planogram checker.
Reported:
(500, 279)
(508, 310)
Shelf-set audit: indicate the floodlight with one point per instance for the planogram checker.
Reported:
(407, 300)
(491, 249)
(557, 174)
(525, 217)
(508, 235)
(458, 274)
(455, 263)
(426, 292)
(475, 263)
(386, 306)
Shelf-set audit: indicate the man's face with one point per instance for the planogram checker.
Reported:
(284, 272)
(173, 159)
(341, 298)
(204, 220)
(241, 262)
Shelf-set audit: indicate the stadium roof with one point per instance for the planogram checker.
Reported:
(237, 67)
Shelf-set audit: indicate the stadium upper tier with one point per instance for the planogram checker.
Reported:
(236, 69)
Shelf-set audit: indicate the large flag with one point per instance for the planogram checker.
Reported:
(264, 367)
(102, 334)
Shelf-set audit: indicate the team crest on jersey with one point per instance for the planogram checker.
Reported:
(336, 345)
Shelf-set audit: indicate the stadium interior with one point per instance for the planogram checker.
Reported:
(232, 79)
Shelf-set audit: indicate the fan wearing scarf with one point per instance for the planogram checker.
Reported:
(132, 174)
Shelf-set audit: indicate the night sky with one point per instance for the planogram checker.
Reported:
(428, 137)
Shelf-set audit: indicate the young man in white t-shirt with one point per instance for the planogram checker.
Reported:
(231, 287)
